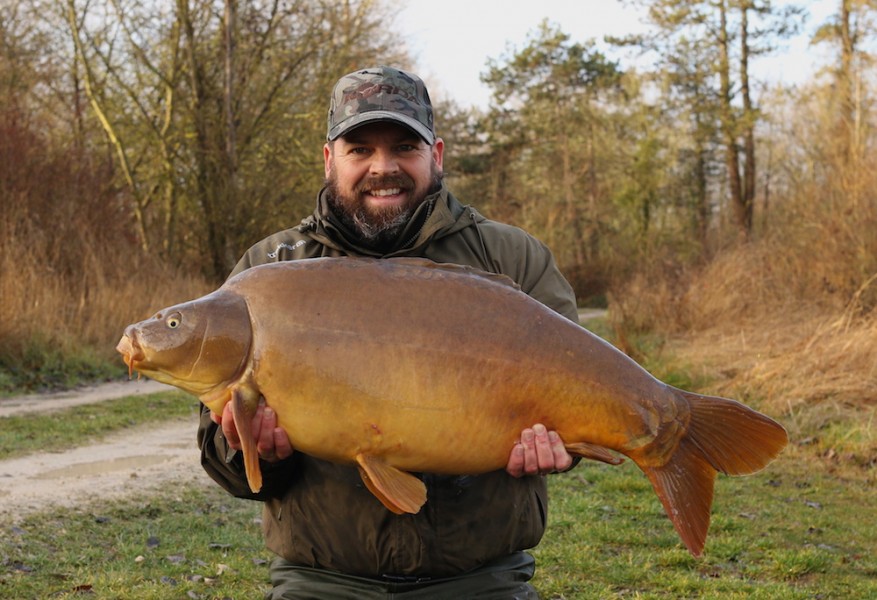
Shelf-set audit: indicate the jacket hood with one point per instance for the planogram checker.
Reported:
(439, 215)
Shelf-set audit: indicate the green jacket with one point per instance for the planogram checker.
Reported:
(319, 514)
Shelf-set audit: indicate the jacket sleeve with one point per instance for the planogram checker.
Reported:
(225, 465)
(544, 282)
(531, 264)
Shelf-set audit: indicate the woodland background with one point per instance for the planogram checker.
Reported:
(730, 225)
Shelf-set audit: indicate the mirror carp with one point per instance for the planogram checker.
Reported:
(405, 366)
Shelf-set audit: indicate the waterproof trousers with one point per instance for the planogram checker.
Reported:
(503, 579)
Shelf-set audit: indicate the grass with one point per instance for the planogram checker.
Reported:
(24, 434)
(41, 366)
(797, 530)
(193, 542)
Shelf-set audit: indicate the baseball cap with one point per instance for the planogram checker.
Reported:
(380, 94)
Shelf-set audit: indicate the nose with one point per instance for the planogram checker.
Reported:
(383, 162)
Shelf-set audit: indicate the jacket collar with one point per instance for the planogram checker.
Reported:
(438, 215)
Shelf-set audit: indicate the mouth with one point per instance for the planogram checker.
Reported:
(387, 192)
(381, 196)
(131, 353)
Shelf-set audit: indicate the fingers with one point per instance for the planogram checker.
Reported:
(515, 468)
(272, 442)
(228, 428)
(282, 445)
(539, 452)
(562, 458)
(538, 456)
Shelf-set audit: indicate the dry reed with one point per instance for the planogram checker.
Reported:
(70, 276)
(83, 307)
(787, 322)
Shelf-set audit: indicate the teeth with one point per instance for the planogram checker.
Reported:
(387, 192)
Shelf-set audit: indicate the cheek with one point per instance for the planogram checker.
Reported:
(423, 175)
(346, 177)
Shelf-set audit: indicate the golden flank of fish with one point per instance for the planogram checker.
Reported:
(403, 365)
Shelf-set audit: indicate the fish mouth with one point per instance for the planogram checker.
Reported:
(131, 353)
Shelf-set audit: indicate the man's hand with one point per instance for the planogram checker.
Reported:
(537, 453)
(272, 442)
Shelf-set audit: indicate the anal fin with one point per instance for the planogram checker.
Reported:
(399, 491)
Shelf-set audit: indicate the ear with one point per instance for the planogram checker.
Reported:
(327, 158)
(438, 153)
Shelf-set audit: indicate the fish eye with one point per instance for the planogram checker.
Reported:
(173, 321)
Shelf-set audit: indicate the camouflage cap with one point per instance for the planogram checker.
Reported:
(380, 94)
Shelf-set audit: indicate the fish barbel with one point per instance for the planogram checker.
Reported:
(404, 365)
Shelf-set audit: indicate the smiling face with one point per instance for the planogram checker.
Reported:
(378, 175)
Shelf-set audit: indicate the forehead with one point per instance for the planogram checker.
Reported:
(381, 131)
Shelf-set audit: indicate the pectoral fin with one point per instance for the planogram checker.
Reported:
(243, 417)
(592, 452)
(399, 491)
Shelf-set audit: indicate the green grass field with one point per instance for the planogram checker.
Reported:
(803, 528)
(797, 530)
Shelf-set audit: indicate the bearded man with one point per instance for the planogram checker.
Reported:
(385, 197)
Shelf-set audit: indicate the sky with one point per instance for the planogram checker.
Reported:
(452, 40)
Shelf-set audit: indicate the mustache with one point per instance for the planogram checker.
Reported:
(385, 181)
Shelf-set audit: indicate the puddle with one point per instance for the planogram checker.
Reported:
(99, 467)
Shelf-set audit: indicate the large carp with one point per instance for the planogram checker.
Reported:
(403, 365)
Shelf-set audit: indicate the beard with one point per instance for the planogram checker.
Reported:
(378, 228)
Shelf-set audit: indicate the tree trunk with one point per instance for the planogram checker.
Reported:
(845, 79)
(208, 177)
(729, 128)
(228, 101)
(112, 134)
(747, 200)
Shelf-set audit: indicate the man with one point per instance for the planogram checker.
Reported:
(385, 197)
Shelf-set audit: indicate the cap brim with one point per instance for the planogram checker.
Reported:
(373, 116)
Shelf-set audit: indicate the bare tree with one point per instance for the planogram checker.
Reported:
(214, 109)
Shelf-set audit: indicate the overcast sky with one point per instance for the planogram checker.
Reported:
(452, 39)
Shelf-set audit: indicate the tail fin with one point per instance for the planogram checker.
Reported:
(723, 435)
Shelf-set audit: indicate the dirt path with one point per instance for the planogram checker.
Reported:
(17, 405)
(130, 462)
